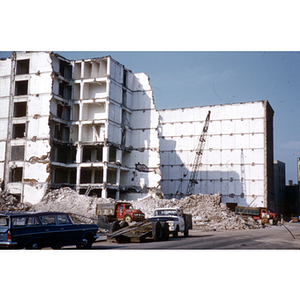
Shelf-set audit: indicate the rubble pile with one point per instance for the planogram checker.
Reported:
(81, 207)
(11, 203)
(208, 212)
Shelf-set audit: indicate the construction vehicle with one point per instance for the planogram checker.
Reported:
(118, 211)
(138, 232)
(176, 219)
(198, 156)
(257, 213)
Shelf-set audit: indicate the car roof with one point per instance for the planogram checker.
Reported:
(28, 213)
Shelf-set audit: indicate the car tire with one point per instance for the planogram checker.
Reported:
(35, 245)
(114, 226)
(175, 232)
(86, 242)
(166, 232)
(124, 224)
(157, 231)
(127, 219)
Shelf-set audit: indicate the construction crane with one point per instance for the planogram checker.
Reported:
(198, 156)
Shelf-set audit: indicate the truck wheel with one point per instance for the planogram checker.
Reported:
(166, 232)
(157, 231)
(123, 224)
(175, 232)
(186, 232)
(127, 219)
(114, 226)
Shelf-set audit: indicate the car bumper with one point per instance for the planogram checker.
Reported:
(8, 244)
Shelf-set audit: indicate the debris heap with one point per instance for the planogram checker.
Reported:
(208, 212)
(11, 203)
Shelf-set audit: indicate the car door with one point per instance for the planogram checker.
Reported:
(69, 233)
(51, 230)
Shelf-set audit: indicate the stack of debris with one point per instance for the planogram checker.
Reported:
(11, 203)
(81, 207)
(208, 212)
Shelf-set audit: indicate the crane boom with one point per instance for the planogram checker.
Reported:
(198, 156)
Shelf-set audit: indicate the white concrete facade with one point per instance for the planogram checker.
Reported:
(92, 125)
(77, 124)
(238, 155)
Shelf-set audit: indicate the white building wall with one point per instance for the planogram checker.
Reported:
(233, 161)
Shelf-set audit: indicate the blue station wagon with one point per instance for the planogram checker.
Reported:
(32, 230)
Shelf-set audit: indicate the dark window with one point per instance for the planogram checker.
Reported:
(63, 219)
(65, 91)
(65, 69)
(20, 109)
(48, 220)
(112, 153)
(61, 176)
(93, 154)
(23, 66)
(18, 131)
(16, 175)
(86, 176)
(17, 153)
(21, 88)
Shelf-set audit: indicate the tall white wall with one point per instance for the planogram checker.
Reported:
(233, 161)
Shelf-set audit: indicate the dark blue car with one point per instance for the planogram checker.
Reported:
(31, 230)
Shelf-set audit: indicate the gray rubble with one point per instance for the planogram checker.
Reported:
(208, 212)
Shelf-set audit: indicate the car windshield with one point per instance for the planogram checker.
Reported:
(3, 221)
(165, 213)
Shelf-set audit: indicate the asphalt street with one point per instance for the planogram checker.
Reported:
(273, 237)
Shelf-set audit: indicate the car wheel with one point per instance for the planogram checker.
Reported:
(127, 219)
(114, 226)
(175, 233)
(166, 233)
(86, 242)
(123, 224)
(35, 245)
(157, 231)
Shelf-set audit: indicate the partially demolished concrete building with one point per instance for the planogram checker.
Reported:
(92, 125)
(88, 124)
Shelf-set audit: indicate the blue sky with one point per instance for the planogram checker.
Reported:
(198, 78)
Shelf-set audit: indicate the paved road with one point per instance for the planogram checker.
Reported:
(274, 237)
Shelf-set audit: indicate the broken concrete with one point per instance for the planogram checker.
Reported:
(207, 210)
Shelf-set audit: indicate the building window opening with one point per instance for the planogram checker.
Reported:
(61, 176)
(16, 175)
(21, 88)
(111, 194)
(99, 176)
(86, 176)
(17, 153)
(18, 131)
(96, 193)
(63, 154)
(65, 91)
(20, 109)
(112, 154)
(92, 154)
(23, 66)
(63, 112)
(65, 69)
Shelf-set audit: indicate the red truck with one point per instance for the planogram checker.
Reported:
(257, 213)
(119, 211)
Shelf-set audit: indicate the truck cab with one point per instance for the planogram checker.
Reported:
(177, 220)
(126, 212)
